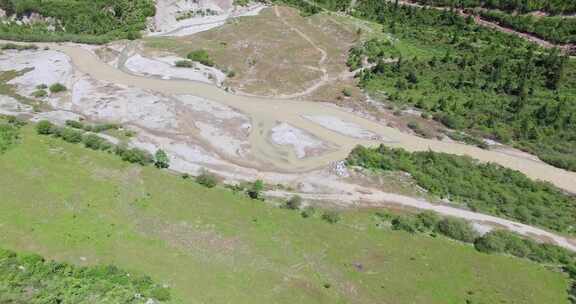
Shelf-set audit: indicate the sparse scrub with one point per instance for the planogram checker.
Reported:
(294, 203)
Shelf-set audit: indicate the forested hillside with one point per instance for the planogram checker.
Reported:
(89, 21)
(473, 78)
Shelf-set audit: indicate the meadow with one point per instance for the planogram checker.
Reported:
(87, 207)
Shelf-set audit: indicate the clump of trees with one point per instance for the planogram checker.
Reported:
(29, 278)
(483, 187)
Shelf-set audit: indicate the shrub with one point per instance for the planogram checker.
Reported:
(331, 217)
(134, 155)
(41, 87)
(184, 64)
(45, 127)
(201, 56)
(457, 229)
(39, 94)
(95, 142)
(406, 223)
(294, 202)
(57, 88)
(75, 124)
(207, 179)
(71, 135)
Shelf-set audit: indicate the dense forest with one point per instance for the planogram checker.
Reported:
(523, 6)
(472, 78)
(29, 278)
(88, 21)
(482, 187)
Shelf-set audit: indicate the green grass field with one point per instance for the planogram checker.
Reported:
(213, 246)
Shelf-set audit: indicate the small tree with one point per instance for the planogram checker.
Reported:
(161, 160)
(294, 202)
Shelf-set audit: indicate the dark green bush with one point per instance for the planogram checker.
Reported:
(331, 217)
(201, 56)
(57, 88)
(457, 229)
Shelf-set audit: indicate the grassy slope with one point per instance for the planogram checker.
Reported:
(67, 202)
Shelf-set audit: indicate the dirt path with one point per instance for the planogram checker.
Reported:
(321, 63)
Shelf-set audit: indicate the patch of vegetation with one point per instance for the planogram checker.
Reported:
(201, 56)
(57, 88)
(29, 278)
(96, 128)
(492, 84)
(483, 187)
(18, 47)
(9, 133)
(76, 135)
(82, 21)
(91, 204)
(184, 64)
(207, 179)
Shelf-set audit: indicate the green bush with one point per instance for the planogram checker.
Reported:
(71, 135)
(457, 229)
(134, 155)
(94, 142)
(201, 56)
(39, 94)
(207, 179)
(44, 127)
(57, 88)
